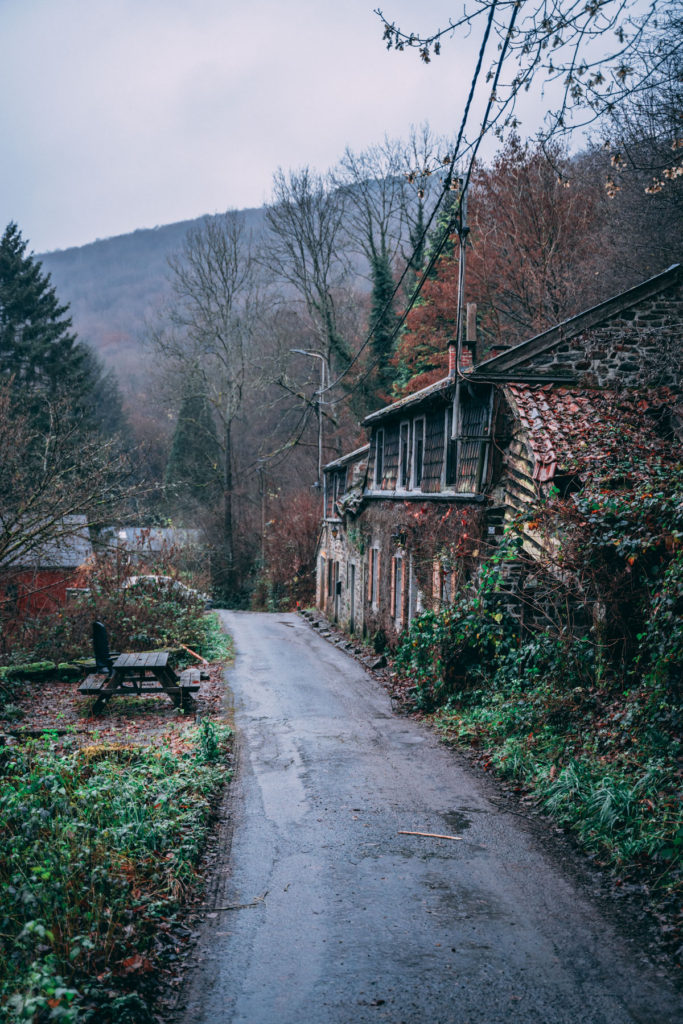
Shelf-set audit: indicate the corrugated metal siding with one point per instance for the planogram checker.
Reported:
(433, 456)
(390, 457)
(472, 450)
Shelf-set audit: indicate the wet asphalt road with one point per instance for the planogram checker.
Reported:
(361, 924)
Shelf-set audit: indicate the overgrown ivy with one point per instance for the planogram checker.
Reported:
(581, 704)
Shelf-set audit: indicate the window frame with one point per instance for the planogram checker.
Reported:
(415, 483)
(379, 458)
(449, 468)
(404, 465)
(397, 602)
(373, 581)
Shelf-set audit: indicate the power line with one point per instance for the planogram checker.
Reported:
(445, 190)
(458, 211)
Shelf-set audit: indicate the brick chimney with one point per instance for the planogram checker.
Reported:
(452, 355)
(471, 335)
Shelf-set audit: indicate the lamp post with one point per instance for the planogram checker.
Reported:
(319, 402)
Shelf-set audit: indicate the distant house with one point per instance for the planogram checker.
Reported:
(417, 508)
(37, 582)
(141, 542)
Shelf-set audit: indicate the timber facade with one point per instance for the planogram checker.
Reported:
(414, 511)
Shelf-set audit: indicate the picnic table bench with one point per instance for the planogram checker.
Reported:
(144, 672)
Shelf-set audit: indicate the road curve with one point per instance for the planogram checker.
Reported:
(337, 918)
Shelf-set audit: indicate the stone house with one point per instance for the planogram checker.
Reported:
(415, 510)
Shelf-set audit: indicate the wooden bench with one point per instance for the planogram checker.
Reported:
(92, 684)
(190, 681)
(141, 673)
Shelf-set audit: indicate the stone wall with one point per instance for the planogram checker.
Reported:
(640, 346)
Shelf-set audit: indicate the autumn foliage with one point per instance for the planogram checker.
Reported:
(529, 253)
(289, 551)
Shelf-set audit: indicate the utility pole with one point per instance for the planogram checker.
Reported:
(319, 403)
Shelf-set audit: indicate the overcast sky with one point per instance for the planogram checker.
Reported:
(122, 114)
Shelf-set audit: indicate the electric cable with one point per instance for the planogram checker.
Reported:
(445, 190)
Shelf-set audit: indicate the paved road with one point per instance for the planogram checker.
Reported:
(361, 924)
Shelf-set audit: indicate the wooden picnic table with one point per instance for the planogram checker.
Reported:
(143, 672)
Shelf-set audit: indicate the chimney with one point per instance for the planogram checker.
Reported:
(452, 353)
(471, 332)
(466, 361)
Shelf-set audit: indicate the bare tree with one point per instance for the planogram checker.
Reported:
(305, 250)
(51, 474)
(216, 301)
(389, 191)
(373, 184)
(593, 49)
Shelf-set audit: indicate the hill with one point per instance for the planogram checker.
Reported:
(114, 285)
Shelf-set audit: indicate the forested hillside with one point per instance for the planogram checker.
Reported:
(114, 285)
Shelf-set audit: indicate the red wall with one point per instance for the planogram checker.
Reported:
(36, 591)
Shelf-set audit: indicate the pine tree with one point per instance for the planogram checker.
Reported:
(38, 349)
(193, 474)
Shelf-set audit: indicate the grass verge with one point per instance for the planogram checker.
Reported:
(596, 762)
(99, 846)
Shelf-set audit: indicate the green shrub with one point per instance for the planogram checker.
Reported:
(96, 848)
(33, 670)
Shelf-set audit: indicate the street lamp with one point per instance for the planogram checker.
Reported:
(319, 402)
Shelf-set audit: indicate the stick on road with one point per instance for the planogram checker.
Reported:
(361, 923)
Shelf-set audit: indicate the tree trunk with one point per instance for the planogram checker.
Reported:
(228, 554)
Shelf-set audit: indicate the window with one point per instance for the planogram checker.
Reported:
(472, 444)
(379, 458)
(373, 576)
(321, 580)
(339, 488)
(415, 602)
(397, 589)
(403, 456)
(446, 584)
(418, 451)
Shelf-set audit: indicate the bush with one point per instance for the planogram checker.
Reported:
(96, 849)
(137, 618)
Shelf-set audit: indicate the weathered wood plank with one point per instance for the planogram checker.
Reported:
(190, 678)
(92, 684)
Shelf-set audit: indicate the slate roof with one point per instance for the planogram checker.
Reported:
(70, 548)
(150, 538)
(570, 429)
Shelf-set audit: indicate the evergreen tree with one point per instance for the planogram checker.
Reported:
(383, 323)
(193, 474)
(38, 349)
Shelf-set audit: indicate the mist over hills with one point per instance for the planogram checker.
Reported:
(113, 285)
